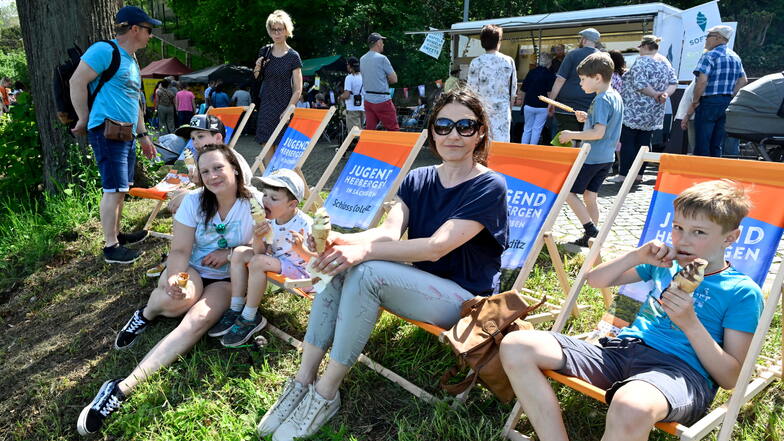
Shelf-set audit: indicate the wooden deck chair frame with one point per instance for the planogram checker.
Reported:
(745, 389)
(237, 133)
(258, 163)
(296, 285)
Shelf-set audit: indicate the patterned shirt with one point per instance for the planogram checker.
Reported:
(722, 67)
(642, 112)
(493, 76)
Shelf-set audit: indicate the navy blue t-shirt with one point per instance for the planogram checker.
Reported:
(475, 265)
(538, 82)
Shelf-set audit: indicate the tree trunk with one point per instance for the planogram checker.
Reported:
(49, 29)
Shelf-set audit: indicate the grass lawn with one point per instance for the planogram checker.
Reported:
(60, 312)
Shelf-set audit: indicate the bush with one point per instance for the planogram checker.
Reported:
(21, 162)
(13, 64)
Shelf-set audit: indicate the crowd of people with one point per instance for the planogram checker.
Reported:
(9, 89)
(448, 221)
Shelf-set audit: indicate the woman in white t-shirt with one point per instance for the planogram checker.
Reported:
(210, 222)
(352, 96)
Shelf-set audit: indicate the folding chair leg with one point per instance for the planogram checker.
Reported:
(509, 428)
(153, 215)
(606, 292)
(558, 265)
(461, 398)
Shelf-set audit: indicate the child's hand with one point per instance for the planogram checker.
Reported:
(679, 306)
(174, 290)
(656, 253)
(298, 240)
(566, 136)
(581, 116)
(260, 229)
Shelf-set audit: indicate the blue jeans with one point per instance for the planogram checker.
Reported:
(709, 125)
(631, 141)
(535, 118)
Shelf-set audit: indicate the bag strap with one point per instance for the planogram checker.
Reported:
(107, 75)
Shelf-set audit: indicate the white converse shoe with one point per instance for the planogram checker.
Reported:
(311, 413)
(291, 396)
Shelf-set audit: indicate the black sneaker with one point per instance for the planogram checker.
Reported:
(132, 238)
(108, 400)
(243, 330)
(583, 241)
(120, 254)
(135, 326)
(224, 324)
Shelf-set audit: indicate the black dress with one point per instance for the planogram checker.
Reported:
(275, 92)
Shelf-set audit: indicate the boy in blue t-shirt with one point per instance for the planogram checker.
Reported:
(602, 128)
(665, 366)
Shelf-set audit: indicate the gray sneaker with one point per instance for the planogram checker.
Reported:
(311, 413)
(224, 324)
(291, 396)
(242, 330)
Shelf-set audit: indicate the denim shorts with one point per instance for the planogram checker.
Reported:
(291, 270)
(116, 161)
(620, 361)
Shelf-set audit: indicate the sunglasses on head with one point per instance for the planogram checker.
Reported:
(465, 127)
(221, 230)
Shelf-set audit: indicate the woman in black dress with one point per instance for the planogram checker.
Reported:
(281, 68)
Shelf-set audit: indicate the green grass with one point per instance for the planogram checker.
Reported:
(61, 314)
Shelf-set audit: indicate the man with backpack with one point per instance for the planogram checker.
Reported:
(105, 91)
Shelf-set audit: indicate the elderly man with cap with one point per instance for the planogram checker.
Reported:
(109, 113)
(719, 75)
(566, 88)
(377, 75)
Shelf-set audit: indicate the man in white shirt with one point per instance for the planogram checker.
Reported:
(352, 95)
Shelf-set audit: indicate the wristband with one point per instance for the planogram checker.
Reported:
(141, 135)
(231, 251)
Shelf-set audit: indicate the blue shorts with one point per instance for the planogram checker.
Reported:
(591, 177)
(116, 161)
(620, 361)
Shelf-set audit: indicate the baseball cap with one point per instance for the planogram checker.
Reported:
(210, 123)
(374, 37)
(590, 34)
(724, 31)
(131, 15)
(288, 179)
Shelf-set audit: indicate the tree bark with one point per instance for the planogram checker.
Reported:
(49, 29)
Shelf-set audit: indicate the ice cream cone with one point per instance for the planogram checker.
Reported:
(321, 228)
(182, 279)
(690, 277)
(257, 212)
(190, 162)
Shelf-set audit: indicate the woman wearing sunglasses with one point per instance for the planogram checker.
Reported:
(455, 215)
(210, 222)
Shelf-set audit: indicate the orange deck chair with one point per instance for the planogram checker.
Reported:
(753, 254)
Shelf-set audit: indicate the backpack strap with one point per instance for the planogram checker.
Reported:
(107, 75)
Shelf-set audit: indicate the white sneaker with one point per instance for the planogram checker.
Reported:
(617, 179)
(311, 413)
(292, 394)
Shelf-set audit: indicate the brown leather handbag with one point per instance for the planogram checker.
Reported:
(117, 131)
(477, 336)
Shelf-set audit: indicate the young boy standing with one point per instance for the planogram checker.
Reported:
(663, 367)
(603, 123)
(283, 189)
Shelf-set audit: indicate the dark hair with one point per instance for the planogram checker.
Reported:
(164, 83)
(208, 201)
(354, 63)
(490, 36)
(468, 98)
(618, 61)
(598, 63)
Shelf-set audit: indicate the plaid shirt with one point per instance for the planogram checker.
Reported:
(723, 67)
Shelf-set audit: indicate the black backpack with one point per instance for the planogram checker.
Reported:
(61, 88)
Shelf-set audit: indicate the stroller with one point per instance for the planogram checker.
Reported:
(756, 115)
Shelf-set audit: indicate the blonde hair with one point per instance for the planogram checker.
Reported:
(280, 17)
(723, 201)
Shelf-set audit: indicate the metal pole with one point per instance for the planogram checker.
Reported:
(465, 9)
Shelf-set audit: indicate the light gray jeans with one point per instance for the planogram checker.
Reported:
(344, 314)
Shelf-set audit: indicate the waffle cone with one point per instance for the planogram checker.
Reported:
(320, 237)
(182, 279)
(690, 277)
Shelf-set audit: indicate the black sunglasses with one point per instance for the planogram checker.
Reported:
(149, 29)
(465, 127)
